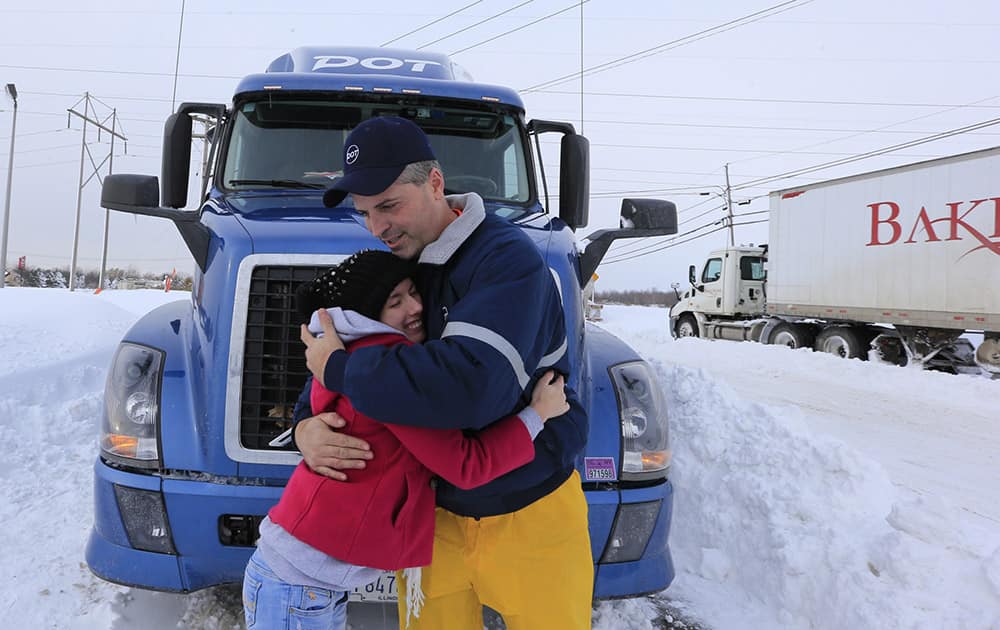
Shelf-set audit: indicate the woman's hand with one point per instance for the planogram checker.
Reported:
(549, 396)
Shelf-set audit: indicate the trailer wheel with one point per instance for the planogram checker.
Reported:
(687, 326)
(988, 355)
(889, 348)
(841, 341)
(792, 335)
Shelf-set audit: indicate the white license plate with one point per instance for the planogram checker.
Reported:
(381, 590)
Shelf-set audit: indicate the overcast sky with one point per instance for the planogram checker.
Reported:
(767, 91)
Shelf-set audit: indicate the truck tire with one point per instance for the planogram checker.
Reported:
(988, 355)
(889, 348)
(841, 341)
(687, 326)
(792, 335)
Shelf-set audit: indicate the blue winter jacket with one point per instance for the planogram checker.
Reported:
(494, 323)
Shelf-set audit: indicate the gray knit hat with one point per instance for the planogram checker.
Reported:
(361, 283)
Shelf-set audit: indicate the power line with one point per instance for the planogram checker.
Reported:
(846, 160)
(20, 166)
(668, 239)
(675, 244)
(719, 149)
(431, 23)
(63, 257)
(38, 150)
(861, 133)
(661, 48)
(765, 100)
(479, 23)
(680, 190)
(873, 153)
(629, 248)
(747, 214)
(700, 214)
(125, 72)
(648, 249)
(33, 133)
(650, 123)
(640, 244)
(519, 28)
(117, 98)
(639, 170)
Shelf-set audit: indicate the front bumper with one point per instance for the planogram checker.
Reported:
(654, 570)
(195, 509)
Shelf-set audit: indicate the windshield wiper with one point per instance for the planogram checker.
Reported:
(277, 183)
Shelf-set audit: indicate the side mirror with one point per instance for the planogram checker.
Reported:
(175, 168)
(140, 194)
(649, 215)
(691, 274)
(574, 180)
(176, 165)
(574, 170)
(127, 192)
(676, 286)
(639, 218)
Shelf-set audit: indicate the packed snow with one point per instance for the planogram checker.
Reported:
(811, 492)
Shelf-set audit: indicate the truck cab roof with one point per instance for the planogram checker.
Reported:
(379, 70)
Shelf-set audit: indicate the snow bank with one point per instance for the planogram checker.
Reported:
(56, 347)
(776, 526)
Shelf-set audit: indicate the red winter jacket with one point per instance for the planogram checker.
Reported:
(383, 516)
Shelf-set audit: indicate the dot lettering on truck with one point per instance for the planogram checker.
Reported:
(371, 63)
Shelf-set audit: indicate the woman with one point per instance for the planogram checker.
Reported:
(326, 537)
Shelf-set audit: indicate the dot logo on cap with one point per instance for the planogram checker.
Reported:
(352, 154)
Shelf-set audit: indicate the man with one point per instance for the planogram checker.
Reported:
(494, 319)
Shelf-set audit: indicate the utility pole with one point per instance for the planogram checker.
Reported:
(729, 208)
(107, 213)
(12, 91)
(85, 152)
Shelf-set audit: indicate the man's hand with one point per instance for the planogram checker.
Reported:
(319, 349)
(326, 451)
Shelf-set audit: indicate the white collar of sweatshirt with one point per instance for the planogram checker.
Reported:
(350, 325)
(456, 233)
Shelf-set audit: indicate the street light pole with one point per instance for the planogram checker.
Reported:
(12, 92)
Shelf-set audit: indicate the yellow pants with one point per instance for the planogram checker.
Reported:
(532, 566)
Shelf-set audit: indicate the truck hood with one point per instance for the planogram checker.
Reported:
(283, 223)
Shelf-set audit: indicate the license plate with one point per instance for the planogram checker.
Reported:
(381, 590)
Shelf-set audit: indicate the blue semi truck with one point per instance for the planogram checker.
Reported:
(199, 391)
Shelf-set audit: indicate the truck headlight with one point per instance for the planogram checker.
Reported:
(645, 431)
(131, 406)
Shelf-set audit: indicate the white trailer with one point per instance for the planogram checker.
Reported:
(903, 261)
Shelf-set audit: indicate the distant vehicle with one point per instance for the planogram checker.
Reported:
(199, 391)
(903, 261)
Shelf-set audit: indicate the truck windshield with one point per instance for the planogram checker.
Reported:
(298, 144)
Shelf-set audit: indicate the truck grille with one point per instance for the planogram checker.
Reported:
(274, 366)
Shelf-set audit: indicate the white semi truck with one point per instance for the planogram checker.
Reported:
(902, 261)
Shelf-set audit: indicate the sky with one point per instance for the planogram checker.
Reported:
(672, 92)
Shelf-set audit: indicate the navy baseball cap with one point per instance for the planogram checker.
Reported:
(375, 153)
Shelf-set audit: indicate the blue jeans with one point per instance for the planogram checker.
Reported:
(270, 604)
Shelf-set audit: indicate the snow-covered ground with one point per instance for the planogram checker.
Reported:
(811, 492)
(814, 492)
